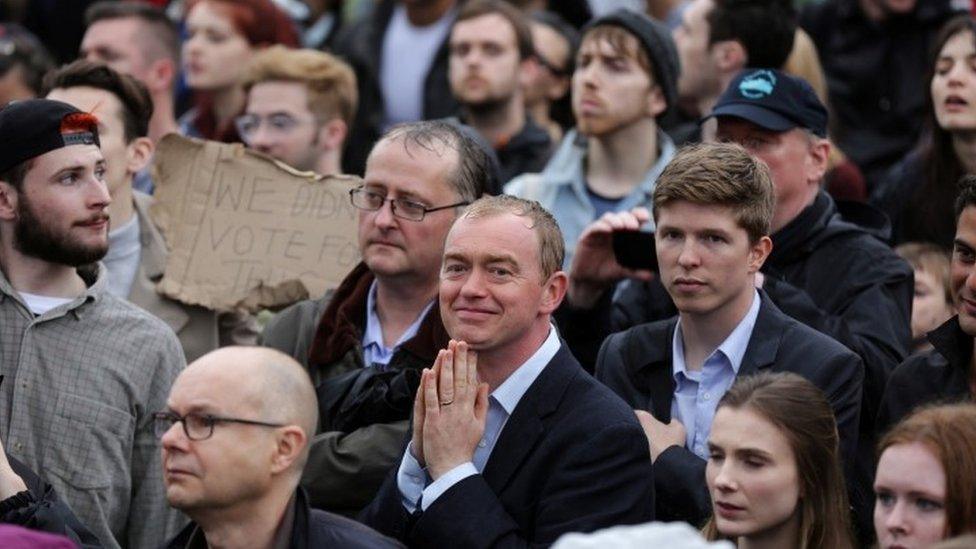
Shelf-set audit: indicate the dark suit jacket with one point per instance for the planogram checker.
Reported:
(636, 364)
(571, 458)
(940, 375)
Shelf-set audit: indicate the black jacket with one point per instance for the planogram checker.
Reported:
(313, 528)
(571, 458)
(917, 214)
(875, 76)
(526, 152)
(361, 45)
(829, 274)
(637, 365)
(40, 508)
(939, 375)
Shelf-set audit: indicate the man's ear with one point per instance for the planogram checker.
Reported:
(656, 104)
(138, 154)
(759, 252)
(161, 74)
(8, 201)
(554, 292)
(333, 134)
(818, 159)
(290, 442)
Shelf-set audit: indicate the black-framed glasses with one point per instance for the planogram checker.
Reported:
(198, 426)
(404, 209)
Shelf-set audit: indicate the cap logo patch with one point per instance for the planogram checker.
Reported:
(758, 85)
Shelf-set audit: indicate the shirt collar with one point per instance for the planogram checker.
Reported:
(732, 348)
(511, 391)
(373, 335)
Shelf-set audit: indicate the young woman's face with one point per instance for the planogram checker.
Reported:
(751, 474)
(910, 485)
(954, 83)
(214, 53)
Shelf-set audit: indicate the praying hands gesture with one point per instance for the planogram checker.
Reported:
(450, 411)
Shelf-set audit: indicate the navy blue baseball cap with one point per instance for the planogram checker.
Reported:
(773, 100)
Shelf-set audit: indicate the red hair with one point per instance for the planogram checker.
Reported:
(259, 21)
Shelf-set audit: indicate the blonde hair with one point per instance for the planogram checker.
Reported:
(929, 258)
(330, 81)
(552, 249)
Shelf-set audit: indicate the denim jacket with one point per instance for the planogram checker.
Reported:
(561, 187)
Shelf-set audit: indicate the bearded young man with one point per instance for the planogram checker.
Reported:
(84, 368)
(626, 77)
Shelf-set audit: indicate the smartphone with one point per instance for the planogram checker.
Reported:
(635, 250)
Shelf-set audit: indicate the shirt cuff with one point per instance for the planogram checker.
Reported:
(450, 478)
(411, 479)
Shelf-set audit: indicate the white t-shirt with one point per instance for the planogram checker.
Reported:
(408, 53)
(122, 259)
(40, 304)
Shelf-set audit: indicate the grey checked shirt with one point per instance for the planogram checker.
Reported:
(80, 383)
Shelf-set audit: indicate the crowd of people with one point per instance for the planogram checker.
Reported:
(623, 263)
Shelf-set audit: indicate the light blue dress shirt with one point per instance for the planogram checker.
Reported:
(375, 353)
(697, 393)
(413, 480)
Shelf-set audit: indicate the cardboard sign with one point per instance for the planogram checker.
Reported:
(247, 232)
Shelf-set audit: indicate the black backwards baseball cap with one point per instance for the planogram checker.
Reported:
(33, 127)
(656, 40)
(773, 100)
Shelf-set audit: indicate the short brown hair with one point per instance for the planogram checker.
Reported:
(160, 37)
(949, 432)
(723, 174)
(523, 33)
(624, 43)
(552, 249)
(330, 81)
(930, 258)
(137, 105)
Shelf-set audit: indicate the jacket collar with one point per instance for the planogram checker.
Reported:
(526, 424)
(566, 165)
(653, 374)
(952, 343)
(341, 326)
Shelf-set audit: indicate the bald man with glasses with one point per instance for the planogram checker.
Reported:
(233, 464)
(365, 343)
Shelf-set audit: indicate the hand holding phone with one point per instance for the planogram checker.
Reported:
(635, 250)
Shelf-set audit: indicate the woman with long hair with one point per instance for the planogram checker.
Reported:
(221, 36)
(918, 193)
(773, 469)
(926, 478)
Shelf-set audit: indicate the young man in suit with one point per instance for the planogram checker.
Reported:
(513, 443)
(713, 206)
